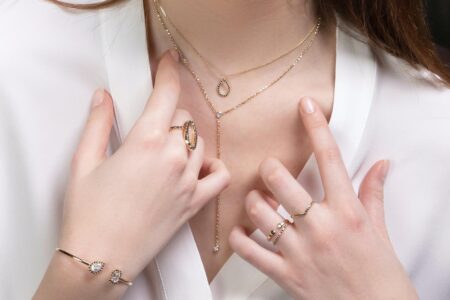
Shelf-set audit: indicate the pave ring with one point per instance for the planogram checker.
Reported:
(304, 212)
(189, 132)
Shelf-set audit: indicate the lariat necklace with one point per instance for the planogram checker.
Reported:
(223, 87)
(218, 115)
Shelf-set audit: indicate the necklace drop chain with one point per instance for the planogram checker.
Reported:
(220, 114)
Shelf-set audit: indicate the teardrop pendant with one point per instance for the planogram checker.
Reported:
(223, 88)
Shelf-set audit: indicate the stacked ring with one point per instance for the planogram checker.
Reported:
(275, 234)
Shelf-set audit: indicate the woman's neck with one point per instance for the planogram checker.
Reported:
(235, 34)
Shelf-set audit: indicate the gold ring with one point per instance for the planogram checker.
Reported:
(275, 234)
(304, 212)
(189, 131)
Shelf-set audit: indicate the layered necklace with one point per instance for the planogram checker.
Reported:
(220, 114)
(223, 87)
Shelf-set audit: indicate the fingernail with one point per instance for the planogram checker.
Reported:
(98, 97)
(384, 169)
(307, 105)
(174, 54)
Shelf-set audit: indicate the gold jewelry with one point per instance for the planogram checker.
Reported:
(304, 212)
(190, 135)
(281, 228)
(220, 114)
(271, 234)
(223, 87)
(96, 267)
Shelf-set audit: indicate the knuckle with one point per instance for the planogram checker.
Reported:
(190, 182)
(153, 138)
(253, 206)
(275, 178)
(353, 220)
(247, 253)
(316, 121)
(330, 153)
(177, 159)
(183, 114)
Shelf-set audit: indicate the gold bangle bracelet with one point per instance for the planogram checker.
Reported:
(96, 267)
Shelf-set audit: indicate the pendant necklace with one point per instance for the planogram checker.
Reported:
(218, 114)
(223, 87)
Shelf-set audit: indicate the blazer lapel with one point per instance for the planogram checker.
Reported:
(126, 59)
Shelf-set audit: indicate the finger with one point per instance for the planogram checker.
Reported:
(215, 178)
(92, 148)
(163, 101)
(287, 191)
(371, 195)
(265, 260)
(332, 169)
(266, 219)
(175, 140)
(195, 160)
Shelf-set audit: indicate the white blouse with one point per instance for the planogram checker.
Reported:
(51, 60)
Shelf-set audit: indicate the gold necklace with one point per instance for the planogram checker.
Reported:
(223, 87)
(220, 114)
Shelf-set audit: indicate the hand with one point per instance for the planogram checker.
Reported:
(122, 209)
(340, 249)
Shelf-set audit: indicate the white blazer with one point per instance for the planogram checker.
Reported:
(51, 60)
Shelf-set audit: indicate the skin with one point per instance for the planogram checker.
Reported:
(256, 25)
(122, 209)
(351, 223)
(341, 241)
(373, 272)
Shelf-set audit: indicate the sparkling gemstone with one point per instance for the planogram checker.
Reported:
(96, 267)
(216, 248)
(219, 115)
(115, 276)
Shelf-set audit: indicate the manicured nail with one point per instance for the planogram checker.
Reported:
(307, 105)
(384, 169)
(98, 98)
(174, 54)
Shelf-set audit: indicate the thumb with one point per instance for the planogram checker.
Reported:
(371, 194)
(215, 177)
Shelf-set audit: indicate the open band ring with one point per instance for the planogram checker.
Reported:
(189, 132)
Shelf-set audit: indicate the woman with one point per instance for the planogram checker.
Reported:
(124, 209)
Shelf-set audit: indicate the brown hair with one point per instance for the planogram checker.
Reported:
(397, 26)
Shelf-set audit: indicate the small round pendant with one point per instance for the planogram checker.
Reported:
(223, 88)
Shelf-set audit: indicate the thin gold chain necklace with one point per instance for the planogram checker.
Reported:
(223, 87)
(218, 115)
